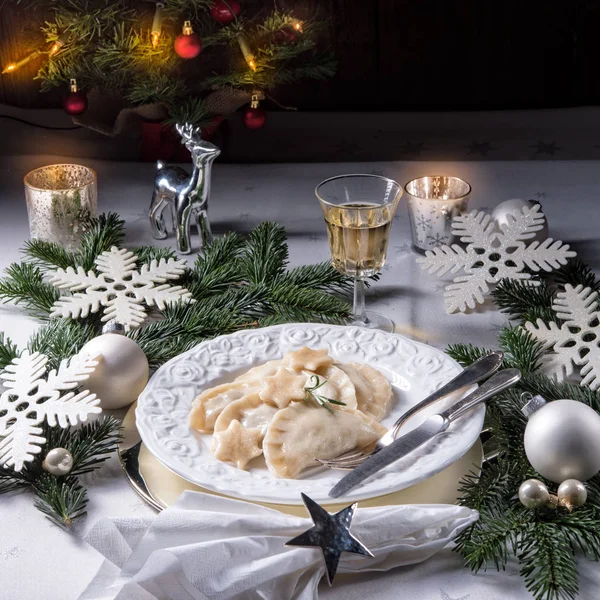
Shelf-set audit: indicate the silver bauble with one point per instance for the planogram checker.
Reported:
(533, 493)
(515, 207)
(122, 371)
(571, 493)
(59, 462)
(562, 441)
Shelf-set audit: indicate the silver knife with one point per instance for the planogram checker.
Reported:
(429, 429)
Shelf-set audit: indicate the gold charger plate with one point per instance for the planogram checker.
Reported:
(165, 486)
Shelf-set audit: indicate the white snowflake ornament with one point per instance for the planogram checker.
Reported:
(577, 340)
(29, 400)
(119, 287)
(492, 255)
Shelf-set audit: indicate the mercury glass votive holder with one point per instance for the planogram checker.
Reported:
(61, 200)
(433, 201)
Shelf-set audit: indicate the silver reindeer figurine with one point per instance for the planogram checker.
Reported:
(186, 195)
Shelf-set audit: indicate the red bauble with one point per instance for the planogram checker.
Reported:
(225, 13)
(188, 46)
(286, 36)
(254, 118)
(75, 103)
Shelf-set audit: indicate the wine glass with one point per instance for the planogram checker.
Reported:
(358, 211)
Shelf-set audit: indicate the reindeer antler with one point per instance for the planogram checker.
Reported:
(188, 132)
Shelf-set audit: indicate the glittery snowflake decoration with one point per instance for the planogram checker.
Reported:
(120, 288)
(29, 400)
(575, 341)
(492, 255)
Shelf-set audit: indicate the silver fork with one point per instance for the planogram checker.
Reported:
(481, 369)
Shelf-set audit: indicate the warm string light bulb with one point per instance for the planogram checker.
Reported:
(297, 25)
(248, 56)
(17, 65)
(157, 24)
(58, 44)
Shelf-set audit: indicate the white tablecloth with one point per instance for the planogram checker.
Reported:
(38, 561)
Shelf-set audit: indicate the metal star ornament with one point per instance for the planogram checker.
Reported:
(330, 533)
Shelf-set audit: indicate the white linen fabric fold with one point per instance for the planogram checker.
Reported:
(209, 547)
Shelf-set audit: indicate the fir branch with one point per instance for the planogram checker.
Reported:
(93, 443)
(151, 88)
(61, 499)
(25, 285)
(104, 232)
(146, 254)
(491, 539)
(321, 276)
(48, 255)
(521, 350)
(575, 273)
(298, 304)
(538, 383)
(524, 301)
(465, 354)
(8, 351)
(266, 253)
(319, 68)
(188, 110)
(547, 562)
(62, 338)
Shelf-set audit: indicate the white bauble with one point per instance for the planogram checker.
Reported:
(58, 462)
(571, 493)
(562, 441)
(122, 371)
(533, 493)
(514, 207)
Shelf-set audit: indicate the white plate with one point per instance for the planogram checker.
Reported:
(414, 370)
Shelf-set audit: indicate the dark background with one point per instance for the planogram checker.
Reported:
(415, 55)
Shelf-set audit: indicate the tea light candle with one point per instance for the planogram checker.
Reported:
(433, 201)
(61, 200)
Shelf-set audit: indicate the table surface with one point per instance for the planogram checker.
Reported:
(38, 560)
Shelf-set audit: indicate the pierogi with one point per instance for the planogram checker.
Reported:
(293, 410)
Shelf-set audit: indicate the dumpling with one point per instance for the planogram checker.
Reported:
(287, 385)
(308, 359)
(250, 411)
(236, 444)
(299, 434)
(209, 404)
(283, 387)
(259, 373)
(373, 390)
(338, 386)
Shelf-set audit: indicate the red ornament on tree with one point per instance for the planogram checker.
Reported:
(188, 44)
(225, 11)
(286, 36)
(254, 117)
(75, 102)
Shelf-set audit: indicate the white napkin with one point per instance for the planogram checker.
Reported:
(206, 547)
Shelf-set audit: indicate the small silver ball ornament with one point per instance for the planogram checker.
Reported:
(533, 493)
(515, 207)
(59, 462)
(571, 494)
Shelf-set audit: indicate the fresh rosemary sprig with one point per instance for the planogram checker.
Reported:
(321, 400)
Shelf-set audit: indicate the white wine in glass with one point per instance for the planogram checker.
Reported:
(358, 211)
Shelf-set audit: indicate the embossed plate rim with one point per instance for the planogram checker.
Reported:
(165, 432)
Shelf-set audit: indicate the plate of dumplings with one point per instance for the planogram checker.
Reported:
(248, 414)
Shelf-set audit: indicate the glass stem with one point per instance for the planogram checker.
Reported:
(358, 310)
